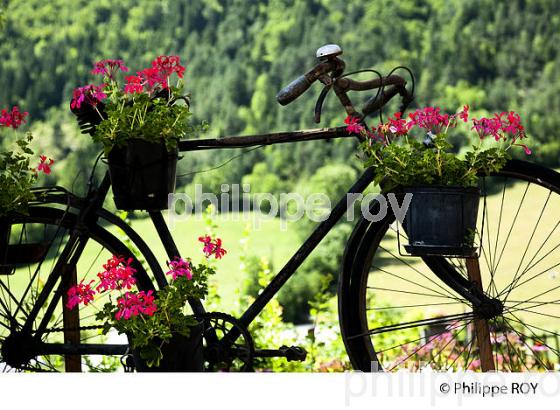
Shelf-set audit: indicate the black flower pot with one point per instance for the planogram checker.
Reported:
(143, 174)
(441, 220)
(181, 354)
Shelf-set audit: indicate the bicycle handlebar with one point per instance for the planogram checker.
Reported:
(303, 82)
(329, 72)
(293, 90)
(375, 103)
(346, 83)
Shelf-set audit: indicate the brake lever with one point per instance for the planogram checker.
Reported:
(319, 103)
(328, 82)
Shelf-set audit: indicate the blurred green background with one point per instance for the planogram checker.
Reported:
(492, 55)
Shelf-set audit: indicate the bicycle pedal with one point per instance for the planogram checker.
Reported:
(291, 353)
(294, 353)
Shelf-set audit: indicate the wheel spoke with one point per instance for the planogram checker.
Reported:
(413, 324)
(415, 352)
(409, 306)
(51, 227)
(511, 227)
(492, 283)
(447, 295)
(430, 279)
(529, 347)
(515, 277)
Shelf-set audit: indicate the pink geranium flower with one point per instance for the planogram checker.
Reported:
(88, 94)
(353, 125)
(118, 274)
(397, 125)
(45, 164)
(133, 84)
(180, 267)
(212, 247)
(166, 66)
(134, 304)
(109, 67)
(464, 114)
(80, 293)
(430, 119)
(13, 118)
(151, 79)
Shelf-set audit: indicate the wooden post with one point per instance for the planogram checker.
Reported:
(70, 320)
(481, 328)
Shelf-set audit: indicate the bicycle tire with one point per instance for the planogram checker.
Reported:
(368, 346)
(17, 292)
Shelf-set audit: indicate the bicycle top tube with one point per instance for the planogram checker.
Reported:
(264, 139)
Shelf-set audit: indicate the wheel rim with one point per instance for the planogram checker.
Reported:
(406, 318)
(20, 285)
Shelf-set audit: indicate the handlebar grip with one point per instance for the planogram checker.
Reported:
(375, 103)
(293, 90)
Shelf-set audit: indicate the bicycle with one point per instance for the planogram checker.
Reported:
(389, 306)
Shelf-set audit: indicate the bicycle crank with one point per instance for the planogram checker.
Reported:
(222, 354)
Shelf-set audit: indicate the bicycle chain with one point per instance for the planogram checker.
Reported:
(64, 329)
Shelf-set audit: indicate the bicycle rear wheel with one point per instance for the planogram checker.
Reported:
(71, 336)
(396, 313)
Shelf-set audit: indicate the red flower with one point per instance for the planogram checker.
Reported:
(45, 165)
(525, 148)
(118, 274)
(464, 114)
(80, 293)
(134, 304)
(512, 125)
(167, 65)
(488, 126)
(12, 118)
(89, 94)
(208, 247)
(429, 118)
(180, 267)
(113, 262)
(109, 67)
(353, 125)
(151, 79)
(212, 247)
(397, 125)
(133, 84)
(219, 252)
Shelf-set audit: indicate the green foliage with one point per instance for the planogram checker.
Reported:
(497, 55)
(261, 181)
(152, 113)
(147, 119)
(412, 163)
(306, 283)
(406, 162)
(253, 266)
(322, 341)
(106, 364)
(16, 176)
(296, 294)
(148, 333)
(332, 180)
